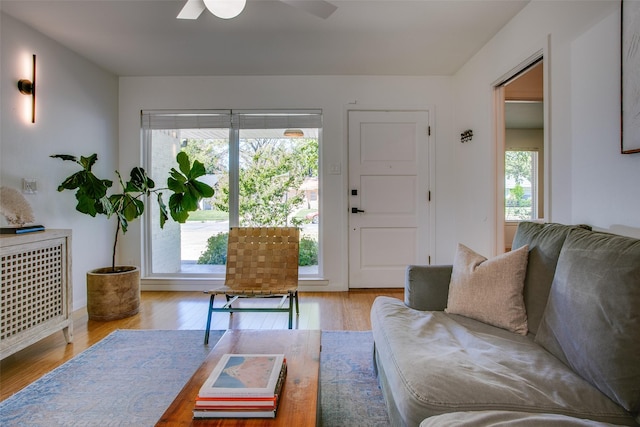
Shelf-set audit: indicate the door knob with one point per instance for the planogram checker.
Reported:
(356, 210)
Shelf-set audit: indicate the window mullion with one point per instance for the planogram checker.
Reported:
(234, 176)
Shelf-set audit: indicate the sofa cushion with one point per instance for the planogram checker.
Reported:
(432, 363)
(507, 419)
(545, 242)
(592, 319)
(489, 290)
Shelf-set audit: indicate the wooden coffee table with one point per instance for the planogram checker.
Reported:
(300, 403)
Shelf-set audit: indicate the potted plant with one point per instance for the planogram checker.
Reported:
(114, 292)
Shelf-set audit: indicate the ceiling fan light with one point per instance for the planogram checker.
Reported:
(225, 9)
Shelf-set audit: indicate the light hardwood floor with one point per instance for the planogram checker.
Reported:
(187, 310)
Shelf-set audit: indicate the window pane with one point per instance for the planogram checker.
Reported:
(204, 235)
(179, 248)
(278, 185)
(269, 180)
(520, 185)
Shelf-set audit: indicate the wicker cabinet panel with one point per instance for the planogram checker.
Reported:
(36, 291)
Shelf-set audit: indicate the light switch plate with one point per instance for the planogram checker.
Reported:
(29, 185)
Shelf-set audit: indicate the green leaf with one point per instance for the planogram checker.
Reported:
(176, 203)
(105, 207)
(139, 181)
(88, 162)
(72, 182)
(163, 211)
(197, 170)
(176, 181)
(64, 157)
(204, 190)
(183, 162)
(126, 206)
(94, 186)
(189, 201)
(86, 205)
(133, 209)
(123, 223)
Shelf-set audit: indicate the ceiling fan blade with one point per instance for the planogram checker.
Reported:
(191, 10)
(320, 8)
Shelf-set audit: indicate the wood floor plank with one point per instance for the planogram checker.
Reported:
(187, 310)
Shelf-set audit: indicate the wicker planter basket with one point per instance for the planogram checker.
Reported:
(112, 296)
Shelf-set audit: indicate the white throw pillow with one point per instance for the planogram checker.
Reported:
(490, 290)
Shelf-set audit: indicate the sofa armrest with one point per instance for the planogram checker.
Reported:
(427, 287)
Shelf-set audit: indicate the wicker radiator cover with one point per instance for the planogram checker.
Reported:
(35, 296)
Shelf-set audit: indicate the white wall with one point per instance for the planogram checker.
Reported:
(76, 114)
(611, 199)
(334, 95)
(579, 40)
(83, 109)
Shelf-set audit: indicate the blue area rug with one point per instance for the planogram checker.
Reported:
(131, 377)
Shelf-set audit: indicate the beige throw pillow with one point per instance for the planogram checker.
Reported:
(490, 290)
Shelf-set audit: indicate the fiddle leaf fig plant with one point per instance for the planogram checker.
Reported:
(128, 205)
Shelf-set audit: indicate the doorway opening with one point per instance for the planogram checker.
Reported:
(521, 158)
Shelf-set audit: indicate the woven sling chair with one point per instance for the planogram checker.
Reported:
(262, 262)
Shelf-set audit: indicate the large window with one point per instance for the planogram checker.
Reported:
(263, 166)
(521, 185)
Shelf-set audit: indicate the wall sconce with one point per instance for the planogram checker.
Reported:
(28, 87)
(466, 136)
(294, 133)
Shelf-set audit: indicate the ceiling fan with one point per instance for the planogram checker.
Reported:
(228, 9)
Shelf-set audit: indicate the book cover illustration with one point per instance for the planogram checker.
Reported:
(246, 372)
(244, 375)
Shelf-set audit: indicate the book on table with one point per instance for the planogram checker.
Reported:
(242, 386)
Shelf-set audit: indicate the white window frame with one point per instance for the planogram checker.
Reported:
(235, 120)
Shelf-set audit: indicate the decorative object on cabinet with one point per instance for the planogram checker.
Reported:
(14, 207)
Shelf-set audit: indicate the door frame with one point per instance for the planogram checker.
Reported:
(543, 53)
(431, 143)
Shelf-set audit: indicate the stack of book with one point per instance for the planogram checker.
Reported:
(242, 386)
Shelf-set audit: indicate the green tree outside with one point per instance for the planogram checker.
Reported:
(272, 170)
(270, 176)
(518, 166)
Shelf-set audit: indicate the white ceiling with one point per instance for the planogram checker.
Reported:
(524, 115)
(363, 37)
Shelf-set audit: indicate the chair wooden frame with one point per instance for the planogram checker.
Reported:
(262, 262)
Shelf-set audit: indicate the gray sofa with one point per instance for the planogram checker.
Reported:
(580, 359)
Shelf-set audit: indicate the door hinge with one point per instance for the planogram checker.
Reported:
(429, 130)
(429, 195)
(429, 259)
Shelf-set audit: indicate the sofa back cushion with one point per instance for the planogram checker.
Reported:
(545, 242)
(592, 318)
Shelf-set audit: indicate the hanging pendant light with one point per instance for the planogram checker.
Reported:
(294, 133)
(225, 9)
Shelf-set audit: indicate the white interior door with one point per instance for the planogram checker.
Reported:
(388, 196)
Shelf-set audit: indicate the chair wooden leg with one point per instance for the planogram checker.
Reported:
(206, 332)
(297, 308)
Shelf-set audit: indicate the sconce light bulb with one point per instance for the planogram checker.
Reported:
(25, 86)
